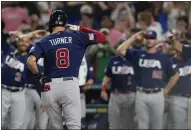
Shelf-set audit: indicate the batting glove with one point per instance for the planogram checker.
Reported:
(38, 77)
(73, 27)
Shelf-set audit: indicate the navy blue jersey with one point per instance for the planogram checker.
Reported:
(183, 85)
(62, 52)
(29, 74)
(186, 51)
(152, 70)
(121, 73)
(14, 70)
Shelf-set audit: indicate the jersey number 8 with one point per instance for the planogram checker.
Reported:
(62, 58)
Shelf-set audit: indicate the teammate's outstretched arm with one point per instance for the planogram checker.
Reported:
(184, 49)
(126, 44)
(100, 37)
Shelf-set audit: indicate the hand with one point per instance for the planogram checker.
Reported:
(38, 77)
(73, 27)
(171, 36)
(139, 35)
(104, 95)
(41, 108)
(166, 91)
(86, 87)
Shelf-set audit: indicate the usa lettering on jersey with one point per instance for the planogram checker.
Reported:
(122, 70)
(149, 63)
(61, 40)
(13, 63)
(185, 71)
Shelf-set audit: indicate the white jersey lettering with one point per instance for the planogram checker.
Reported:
(149, 63)
(185, 71)
(13, 63)
(122, 70)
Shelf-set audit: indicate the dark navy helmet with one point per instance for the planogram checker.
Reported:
(57, 18)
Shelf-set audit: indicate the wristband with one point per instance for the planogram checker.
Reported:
(104, 87)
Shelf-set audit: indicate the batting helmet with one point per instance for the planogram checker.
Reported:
(57, 18)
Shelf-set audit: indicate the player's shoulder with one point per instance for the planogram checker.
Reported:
(113, 58)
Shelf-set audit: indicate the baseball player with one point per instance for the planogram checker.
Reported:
(180, 95)
(33, 102)
(86, 79)
(120, 74)
(152, 68)
(12, 83)
(32, 96)
(62, 52)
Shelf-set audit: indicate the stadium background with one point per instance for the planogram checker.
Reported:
(118, 20)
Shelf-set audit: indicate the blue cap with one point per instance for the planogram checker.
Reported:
(150, 34)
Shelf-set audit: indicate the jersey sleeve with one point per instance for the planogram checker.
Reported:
(108, 71)
(186, 51)
(36, 50)
(90, 74)
(85, 38)
(171, 70)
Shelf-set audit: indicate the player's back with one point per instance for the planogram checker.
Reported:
(62, 52)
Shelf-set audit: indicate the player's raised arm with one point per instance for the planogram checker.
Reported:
(126, 44)
(94, 35)
(184, 49)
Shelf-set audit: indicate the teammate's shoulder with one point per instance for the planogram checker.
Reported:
(113, 58)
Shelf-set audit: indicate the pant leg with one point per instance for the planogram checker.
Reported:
(32, 123)
(6, 104)
(17, 109)
(114, 115)
(83, 105)
(141, 111)
(41, 117)
(156, 110)
(178, 111)
(52, 107)
(189, 113)
(128, 111)
(71, 106)
(29, 111)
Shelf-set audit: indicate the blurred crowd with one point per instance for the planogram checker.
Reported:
(117, 20)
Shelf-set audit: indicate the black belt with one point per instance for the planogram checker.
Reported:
(30, 86)
(149, 91)
(13, 90)
(48, 80)
(121, 92)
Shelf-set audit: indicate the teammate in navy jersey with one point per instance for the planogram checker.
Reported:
(120, 74)
(33, 102)
(152, 68)
(180, 95)
(12, 83)
(34, 116)
(62, 52)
